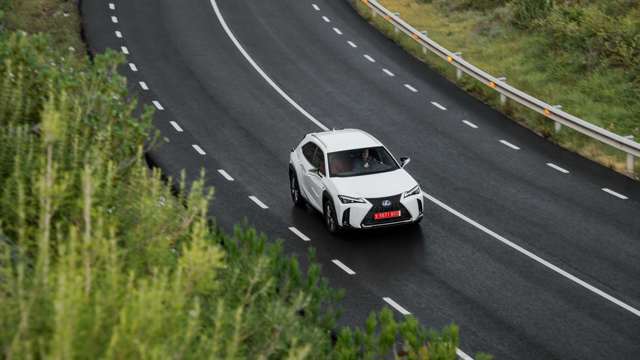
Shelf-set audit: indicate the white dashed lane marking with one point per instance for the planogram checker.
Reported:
(133, 67)
(470, 124)
(199, 149)
(125, 50)
(342, 266)
(396, 306)
(258, 202)
(144, 86)
(225, 175)
(299, 234)
(114, 19)
(337, 31)
(558, 168)
(438, 106)
(157, 104)
(411, 88)
(352, 44)
(369, 58)
(176, 126)
(326, 19)
(616, 194)
(118, 34)
(388, 72)
(508, 144)
(112, 6)
(316, 7)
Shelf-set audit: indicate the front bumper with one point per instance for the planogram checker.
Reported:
(360, 216)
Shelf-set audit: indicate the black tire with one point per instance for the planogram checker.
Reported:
(294, 190)
(330, 219)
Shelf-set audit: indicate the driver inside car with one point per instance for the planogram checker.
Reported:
(366, 161)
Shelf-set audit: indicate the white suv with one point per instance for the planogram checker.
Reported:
(353, 180)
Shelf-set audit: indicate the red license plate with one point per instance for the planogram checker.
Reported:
(387, 215)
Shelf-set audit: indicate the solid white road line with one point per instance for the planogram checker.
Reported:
(352, 44)
(506, 143)
(337, 31)
(225, 175)
(533, 256)
(438, 106)
(112, 6)
(369, 58)
(388, 72)
(118, 34)
(342, 266)
(556, 167)
(157, 104)
(411, 88)
(470, 124)
(316, 7)
(264, 75)
(199, 149)
(133, 67)
(176, 126)
(299, 234)
(114, 19)
(144, 86)
(258, 202)
(125, 50)
(618, 195)
(396, 306)
(326, 19)
(462, 355)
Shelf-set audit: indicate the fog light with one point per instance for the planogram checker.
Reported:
(345, 217)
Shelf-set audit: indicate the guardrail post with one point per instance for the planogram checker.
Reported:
(631, 165)
(503, 98)
(395, 28)
(425, 33)
(557, 125)
(459, 72)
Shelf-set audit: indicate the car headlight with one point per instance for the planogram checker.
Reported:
(415, 191)
(350, 200)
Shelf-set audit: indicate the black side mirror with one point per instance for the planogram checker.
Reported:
(404, 161)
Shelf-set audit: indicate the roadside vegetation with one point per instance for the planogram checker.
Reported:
(583, 55)
(100, 257)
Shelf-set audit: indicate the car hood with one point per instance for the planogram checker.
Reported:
(375, 185)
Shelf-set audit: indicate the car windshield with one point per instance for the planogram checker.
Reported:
(361, 162)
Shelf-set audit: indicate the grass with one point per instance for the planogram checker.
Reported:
(604, 95)
(60, 19)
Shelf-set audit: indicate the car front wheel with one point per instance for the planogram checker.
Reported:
(330, 219)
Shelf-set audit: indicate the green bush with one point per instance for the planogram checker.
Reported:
(527, 12)
(100, 258)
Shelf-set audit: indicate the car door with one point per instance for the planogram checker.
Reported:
(315, 178)
(305, 166)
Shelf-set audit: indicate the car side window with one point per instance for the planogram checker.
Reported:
(318, 161)
(308, 150)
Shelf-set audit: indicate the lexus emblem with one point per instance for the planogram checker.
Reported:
(386, 203)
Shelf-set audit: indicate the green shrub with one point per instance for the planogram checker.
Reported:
(100, 258)
(526, 12)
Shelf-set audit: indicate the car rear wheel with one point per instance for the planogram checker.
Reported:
(296, 197)
(330, 219)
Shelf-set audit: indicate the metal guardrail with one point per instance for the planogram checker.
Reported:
(624, 144)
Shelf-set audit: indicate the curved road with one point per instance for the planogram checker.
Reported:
(521, 246)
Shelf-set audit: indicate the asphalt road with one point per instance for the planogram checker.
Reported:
(520, 245)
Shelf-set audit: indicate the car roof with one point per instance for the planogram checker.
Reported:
(347, 139)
